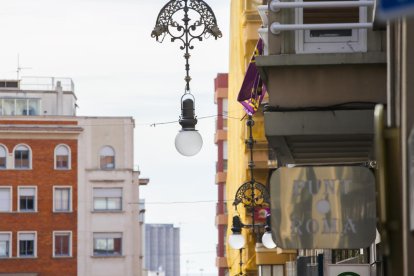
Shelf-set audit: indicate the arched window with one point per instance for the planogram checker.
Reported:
(107, 158)
(3, 157)
(22, 157)
(62, 157)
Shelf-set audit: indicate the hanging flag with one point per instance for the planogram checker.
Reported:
(253, 89)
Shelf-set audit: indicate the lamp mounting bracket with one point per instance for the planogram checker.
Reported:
(174, 20)
(252, 195)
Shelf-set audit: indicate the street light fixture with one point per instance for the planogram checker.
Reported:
(267, 239)
(252, 194)
(174, 20)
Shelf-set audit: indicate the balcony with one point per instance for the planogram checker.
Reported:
(46, 83)
(221, 219)
(261, 155)
(325, 69)
(321, 137)
(220, 87)
(221, 135)
(298, 27)
(221, 177)
(221, 262)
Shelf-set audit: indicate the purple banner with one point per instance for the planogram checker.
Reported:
(253, 89)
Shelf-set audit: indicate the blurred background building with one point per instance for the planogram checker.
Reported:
(162, 249)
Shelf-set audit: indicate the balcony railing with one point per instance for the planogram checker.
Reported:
(46, 83)
(276, 5)
(320, 26)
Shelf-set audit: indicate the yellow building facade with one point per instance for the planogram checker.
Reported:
(244, 25)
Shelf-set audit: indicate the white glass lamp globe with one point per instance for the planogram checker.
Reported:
(268, 241)
(236, 241)
(188, 142)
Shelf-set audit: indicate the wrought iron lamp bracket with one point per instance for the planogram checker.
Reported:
(174, 20)
(251, 199)
(251, 193)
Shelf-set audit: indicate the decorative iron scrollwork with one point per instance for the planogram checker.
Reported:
(251, 196)
(175, 21)
(175, 10)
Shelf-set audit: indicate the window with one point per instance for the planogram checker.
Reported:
(62, 199)
(62, 244)
(5, 199)
(62, 157)
(27, 244)
(225, 112)
(3, 157)
(5, 248)
(107, 244)
(270, 270)
(20, 106)
(331, 41)
(107, 199)
(107, 158)
(22, 157)
(27, 199)
(8, 107)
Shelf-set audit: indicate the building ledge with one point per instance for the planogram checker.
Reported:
(221, 219)
(277, 256)
(143, 181)
(321, 59)
(220, 93)
(264, 62)
(221, 262)
(107, 212)
(107, 257)
(320, 137)
(221, 177)
(221, 135)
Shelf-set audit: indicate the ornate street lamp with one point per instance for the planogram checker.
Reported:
(251, 194)
(174, 20)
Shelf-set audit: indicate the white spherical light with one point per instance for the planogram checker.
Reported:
(268, 241)
(236, 241)
(188, 142)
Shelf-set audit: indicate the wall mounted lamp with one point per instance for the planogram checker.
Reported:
(251, 194)
(174, 20)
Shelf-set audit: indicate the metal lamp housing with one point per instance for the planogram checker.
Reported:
(188, 141)
(236, 239)
(267, 238)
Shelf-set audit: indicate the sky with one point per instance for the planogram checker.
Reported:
(119, 70)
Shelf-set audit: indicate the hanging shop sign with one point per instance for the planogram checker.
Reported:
(323, 207)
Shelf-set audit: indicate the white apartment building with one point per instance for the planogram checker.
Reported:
(108, 208)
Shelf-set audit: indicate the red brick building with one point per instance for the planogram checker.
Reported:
(38, 179)
(66, 184)
(220, 98)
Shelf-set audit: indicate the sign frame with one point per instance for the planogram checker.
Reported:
(332, 207)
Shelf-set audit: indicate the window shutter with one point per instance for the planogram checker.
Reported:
(330, 15)
(107, 235)
(4, 237)
(27, 237)
(27, 191)
(5, 199)
(107, 192)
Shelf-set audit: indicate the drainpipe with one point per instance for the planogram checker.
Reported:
(59, 104)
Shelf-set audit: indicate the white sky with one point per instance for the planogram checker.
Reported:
(119, 70)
